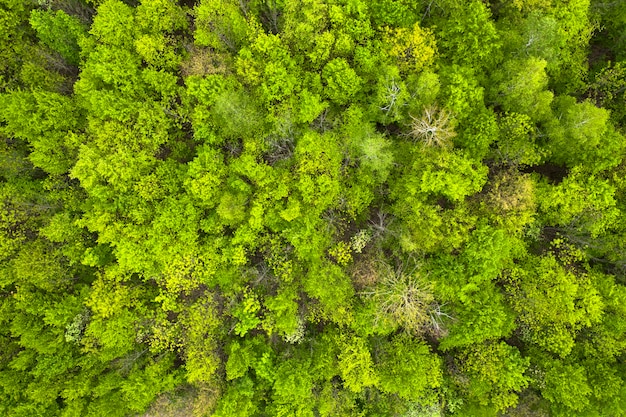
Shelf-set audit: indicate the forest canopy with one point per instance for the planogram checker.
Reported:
(312, 208)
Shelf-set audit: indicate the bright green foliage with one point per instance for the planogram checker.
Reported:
(397, 13)
(461, 93)
(141, 387)
(580, 133)
(114, 24)
(488, 252)
(607, 340)
(426, 223)
(523, 89)
(356, 365)
(156, 45)
(318, 170)
(582, 203)
(205, 175)
(200, 323)
(406, 367)
(543, 38)
(553, 304)
(333, 401)
(111, 330)
(480, 314)
(267, 63)
(45, 120)
(238, 401)
(468, 36)
(478, 133)
(495, 374)
(59, 31)
(567, 385)
(246, 312)
(293, 389)
(163, 16)
(516, 144)
(576, 27)
(334, 291)
(412, 49)
(436, 174)
(312, 208)
(453, 177)
(342, 82)
(479, 311)
(220, 25)
(320, 32)
(285, 319)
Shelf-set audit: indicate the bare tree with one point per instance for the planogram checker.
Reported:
(433, 127)
(406, 298)
(392, 92)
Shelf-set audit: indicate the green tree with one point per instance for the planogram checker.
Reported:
(523, 89)
(495, 374)
(406, 367)
(586, 128)
(59, 32)
(468, 35)
(553, 304)
(356, 365)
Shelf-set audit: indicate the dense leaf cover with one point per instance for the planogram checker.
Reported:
(312, 208)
